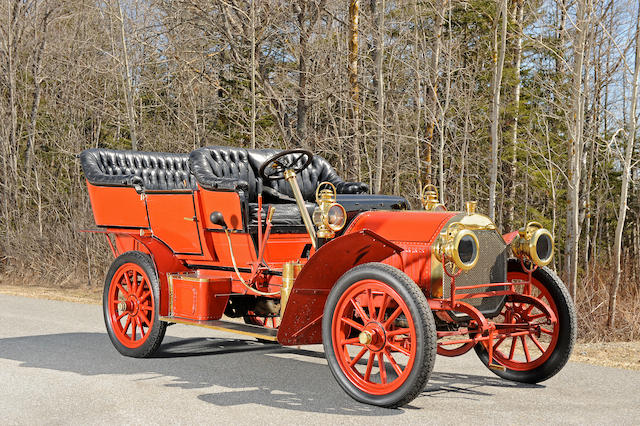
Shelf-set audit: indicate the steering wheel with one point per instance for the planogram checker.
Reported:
(295, 159)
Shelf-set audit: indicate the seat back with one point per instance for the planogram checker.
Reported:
(157, 170)
(224, 167)
(308, 179)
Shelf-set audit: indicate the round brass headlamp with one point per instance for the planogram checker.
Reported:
(534, 243)
(458, 245)
(336, 217)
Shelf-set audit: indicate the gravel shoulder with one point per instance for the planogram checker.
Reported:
(624, 355)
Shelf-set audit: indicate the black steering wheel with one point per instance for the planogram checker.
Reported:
(291, 159)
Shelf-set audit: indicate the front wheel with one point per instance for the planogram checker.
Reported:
(131, 304)
(540, 353)
(379, 335)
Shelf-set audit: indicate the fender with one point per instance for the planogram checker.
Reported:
(302, 320)
(166, 262)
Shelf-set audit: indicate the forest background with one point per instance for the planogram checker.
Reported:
(528, 106)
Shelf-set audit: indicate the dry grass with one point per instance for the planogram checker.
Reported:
(609, 354)
(78, 295)
(593, 302)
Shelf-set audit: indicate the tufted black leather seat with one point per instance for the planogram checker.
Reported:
(308, 179)
(159, 171)
(236, 169)
(224, 168)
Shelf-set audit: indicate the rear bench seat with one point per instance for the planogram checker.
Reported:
(154, 171)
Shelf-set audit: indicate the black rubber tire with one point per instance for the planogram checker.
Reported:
(423, 321)
(157, 331)
(566, 338)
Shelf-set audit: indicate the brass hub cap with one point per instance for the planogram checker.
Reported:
(365, 337)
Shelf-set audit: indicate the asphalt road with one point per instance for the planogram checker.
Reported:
(57, 366)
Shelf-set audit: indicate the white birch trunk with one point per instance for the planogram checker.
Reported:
(575, 150)
(626, 175)
(498, 61)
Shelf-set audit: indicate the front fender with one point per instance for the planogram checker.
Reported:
(302, 320)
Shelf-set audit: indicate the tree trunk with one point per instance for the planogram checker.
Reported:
(418, 94)
(626, 175)
(379, 63)
(511, 206)
(575, 150)
(253, 74)
(432, 96)
(354, 17)
(128, 90)
(441, 128)
(496, 84)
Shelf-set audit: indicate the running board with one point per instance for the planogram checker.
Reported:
(231, 327)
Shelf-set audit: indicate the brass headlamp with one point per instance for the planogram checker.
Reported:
(458, 245)
(430, 198)
(534, 243)
(329, 217)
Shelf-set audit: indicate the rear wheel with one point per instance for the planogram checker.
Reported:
(379, 335)
(131, 301)
(541, 352)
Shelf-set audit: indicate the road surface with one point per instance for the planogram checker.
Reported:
(57, 366)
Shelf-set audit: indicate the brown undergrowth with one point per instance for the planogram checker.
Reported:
(592, 306)
(74, 283)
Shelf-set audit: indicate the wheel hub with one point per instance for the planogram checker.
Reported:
(131, 305)
(373, 336)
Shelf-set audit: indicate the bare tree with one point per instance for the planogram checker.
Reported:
(575, 119)
(354, 18)
(496, 86)
(626, 176)
(379, 63)
(518, 12)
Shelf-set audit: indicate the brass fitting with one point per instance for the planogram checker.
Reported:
(290, 271)
(534, 243)
(431, 199)
(365, 337)
(457, 245)
(329, 217)
(471, 207)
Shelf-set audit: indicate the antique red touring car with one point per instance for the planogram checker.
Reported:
(279, 240)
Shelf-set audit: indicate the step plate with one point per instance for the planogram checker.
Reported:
(228, 326)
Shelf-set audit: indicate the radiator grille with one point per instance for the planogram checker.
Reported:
(491, 268)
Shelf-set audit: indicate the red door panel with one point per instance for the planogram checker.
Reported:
(173, 220)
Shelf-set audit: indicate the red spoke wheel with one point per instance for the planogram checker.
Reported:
(541, 352)
(455, 350)
(130, 305)
(270, 321)
(379, 335)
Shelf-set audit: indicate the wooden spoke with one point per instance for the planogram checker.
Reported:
(357, 357)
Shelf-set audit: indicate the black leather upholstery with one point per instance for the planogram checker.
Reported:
(230, 168)
(151, 170)
(224, 168)
(285, 214)
(317, 172)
